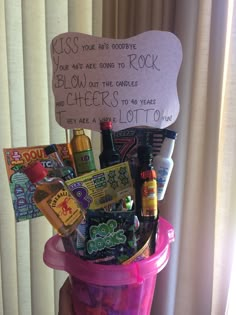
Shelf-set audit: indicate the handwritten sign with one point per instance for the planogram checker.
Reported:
(129, 81)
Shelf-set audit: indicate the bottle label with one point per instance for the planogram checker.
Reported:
(149, 198)
(163, 179)
(67, 173)
(65, 207)
(104, 236)
(84, 162)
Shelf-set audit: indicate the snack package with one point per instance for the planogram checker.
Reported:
(110, 237)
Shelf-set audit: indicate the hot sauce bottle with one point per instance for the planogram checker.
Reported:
(149, 194)
(146, 200)
(54, 200)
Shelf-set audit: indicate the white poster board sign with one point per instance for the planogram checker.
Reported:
(129, 81)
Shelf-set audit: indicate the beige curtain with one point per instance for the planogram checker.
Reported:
(200, 200)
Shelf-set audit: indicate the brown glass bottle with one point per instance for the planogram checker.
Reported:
(109, 155)
(82, 152)
(54, 200)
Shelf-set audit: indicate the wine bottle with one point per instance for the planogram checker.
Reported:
(82, 152)
(109, 155)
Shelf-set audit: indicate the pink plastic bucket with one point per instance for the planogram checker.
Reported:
(112, 289)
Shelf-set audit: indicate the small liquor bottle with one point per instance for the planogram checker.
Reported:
(54, 200)
(109, 155)
(146, 202)
(58, 166)
(163, 163)
(82, 152)
(149, 194)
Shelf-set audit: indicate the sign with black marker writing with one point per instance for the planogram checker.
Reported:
(129, 81)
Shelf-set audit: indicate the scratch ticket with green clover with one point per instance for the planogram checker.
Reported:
(101, 188)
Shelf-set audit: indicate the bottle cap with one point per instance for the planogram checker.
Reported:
(171, 134)
(50, 149)
(78, 131)
(35, 172)
(106, 125)
(148, 174)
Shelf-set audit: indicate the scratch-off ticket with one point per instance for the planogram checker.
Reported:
(101, 188)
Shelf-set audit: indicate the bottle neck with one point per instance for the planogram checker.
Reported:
(44, 180)
(167, 147)
(78, 132)
(107, 139)
(148, 174)
(146, 163)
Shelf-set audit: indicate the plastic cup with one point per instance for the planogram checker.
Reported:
(112, 289)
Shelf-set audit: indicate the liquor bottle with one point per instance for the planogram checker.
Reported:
(146, 202)
(109, 155)
(59, 169)
(82, 152)
(54, 200)
(149, 194)
(163, 162)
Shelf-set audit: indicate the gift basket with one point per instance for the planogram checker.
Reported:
(110, 236)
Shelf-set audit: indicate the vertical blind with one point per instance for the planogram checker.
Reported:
(27, 119)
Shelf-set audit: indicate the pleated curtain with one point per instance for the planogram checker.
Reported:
(27, 118)
(200, 200)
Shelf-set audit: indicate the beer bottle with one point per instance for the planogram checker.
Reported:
(82, 152)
